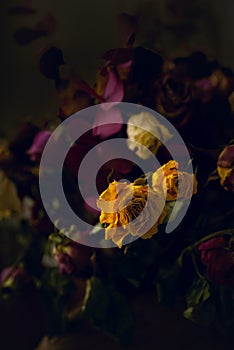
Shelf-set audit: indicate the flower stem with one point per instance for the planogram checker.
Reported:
(196, 267)
(190, 248)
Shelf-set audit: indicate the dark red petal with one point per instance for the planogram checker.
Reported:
(214, 243)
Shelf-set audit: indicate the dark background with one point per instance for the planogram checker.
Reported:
(87, 28)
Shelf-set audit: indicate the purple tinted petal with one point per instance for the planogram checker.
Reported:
(38, 144)
(204, 84)
(114, 90)
(6, 273)
(127, 64)
(65, 264)
(226, 157)
(107, 123)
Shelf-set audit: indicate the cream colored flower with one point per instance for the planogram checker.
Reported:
(122, 203)
(144, 132)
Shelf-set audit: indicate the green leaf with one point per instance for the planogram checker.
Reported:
(199, 292)
(138, 262)
(200, 307)
(167, 283)
(109, 310)
(56, 290)
(203, 314)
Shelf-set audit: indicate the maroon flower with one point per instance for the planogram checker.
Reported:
(66, 266)
(73, 258)
(174, 98)
(219, 261)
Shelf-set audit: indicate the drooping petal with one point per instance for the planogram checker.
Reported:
(107, 122)
(114, 89)
(38, 145)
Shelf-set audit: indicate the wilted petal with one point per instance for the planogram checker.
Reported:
(204, 84)
(146, 134)
(107, 123)
(38, 145)
(213, 243)
(114, 89)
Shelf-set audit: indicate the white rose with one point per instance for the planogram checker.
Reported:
(146, 134)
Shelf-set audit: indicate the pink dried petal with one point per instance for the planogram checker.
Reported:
(114, 90)
(125, 65)
(107, 122)
(38, 145)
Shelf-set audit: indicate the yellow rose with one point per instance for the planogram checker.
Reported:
(121, 203)
(165, 180)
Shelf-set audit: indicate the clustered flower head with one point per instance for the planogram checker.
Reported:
(167, 179)
(130, 209)
(136, 209)
(193, 94)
